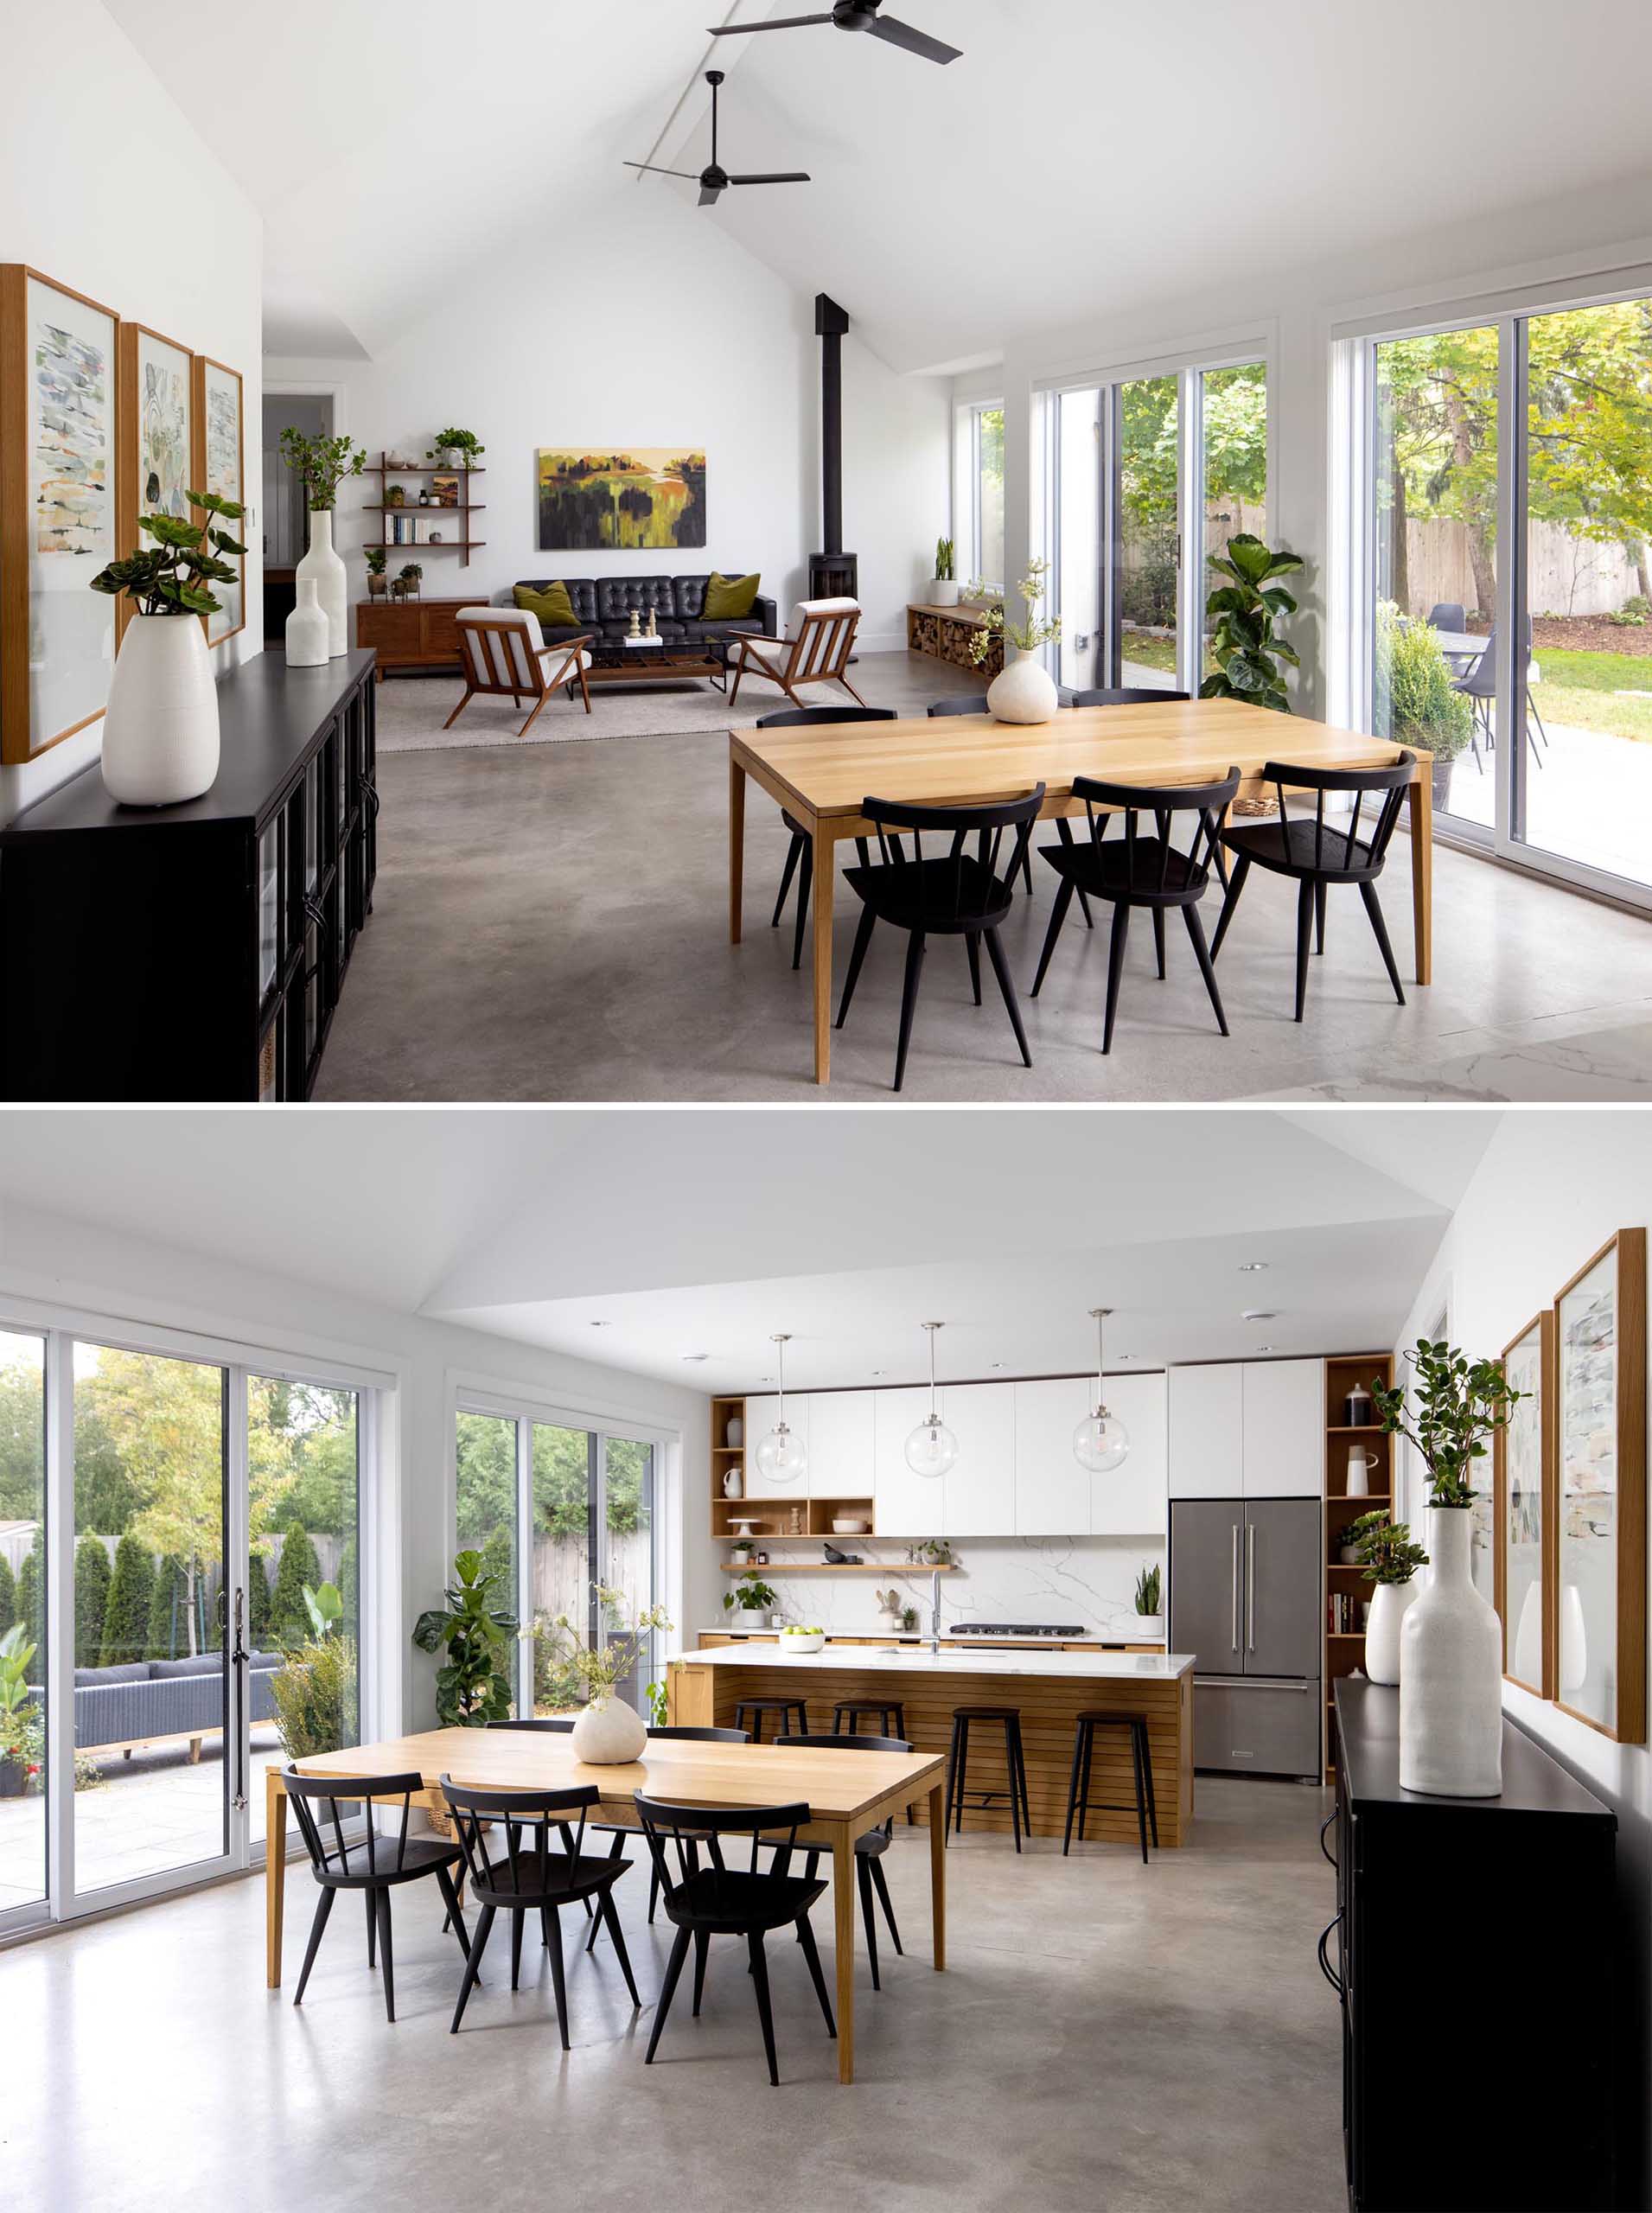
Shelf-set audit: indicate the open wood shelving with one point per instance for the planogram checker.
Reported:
(1344, 1649)
(384, 469)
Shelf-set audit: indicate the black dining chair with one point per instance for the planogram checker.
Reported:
(799, 854)
(950, 894)
(871, 1848)
(559, 1725)
(1318, 856)
(374, 1864)
(702, 1901)
(1133, 871)
(685, 1734)
(975, 704)
(517, 1873)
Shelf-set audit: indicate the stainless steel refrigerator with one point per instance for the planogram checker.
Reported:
(1245, 1578)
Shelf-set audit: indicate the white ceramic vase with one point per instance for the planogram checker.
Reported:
(1450, 1673)
(731, 1482)
(609, 1735)
(1024, 692)
(1390, 1603)
(735, 1435)
(160, 728)
(332, 580)
(309, 638)
(943, 592)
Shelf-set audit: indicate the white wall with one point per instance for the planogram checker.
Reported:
(105, 187)
(646, 325)
(1596, 241)
(1544, 1198)
(54, 1259)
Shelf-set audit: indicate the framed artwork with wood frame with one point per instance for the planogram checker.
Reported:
(155, 403)
(219, 467)
(1599, 1616)
(58, 449)
(1523, 1464)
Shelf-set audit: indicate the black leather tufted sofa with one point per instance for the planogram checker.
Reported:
(603, 604)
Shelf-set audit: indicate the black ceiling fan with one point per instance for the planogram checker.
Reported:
(713, 178)
(854, 15)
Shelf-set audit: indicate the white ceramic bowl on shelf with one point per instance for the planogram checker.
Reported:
(849, 1526)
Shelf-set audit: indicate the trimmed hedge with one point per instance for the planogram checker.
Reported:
(92, 1581)
(126, 1617)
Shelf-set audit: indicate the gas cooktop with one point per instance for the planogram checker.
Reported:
(1014, 1629)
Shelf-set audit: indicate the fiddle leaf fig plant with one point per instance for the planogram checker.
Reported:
(1387, 1552)
(1459, 1403)
(1243, 611)
(473, 1687)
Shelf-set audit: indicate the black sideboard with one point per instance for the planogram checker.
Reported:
(1475, 1952)
(196, 951)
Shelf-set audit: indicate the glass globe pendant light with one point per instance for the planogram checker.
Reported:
(932, 1448)
(782, 1457)
(1101, 1441)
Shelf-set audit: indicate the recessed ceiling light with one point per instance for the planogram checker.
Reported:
(1264, 1347)
(1260, 1314)
(697, 1355)
(1252, 1268)
(880, 1371)
(601, 1326)
(995, 1363)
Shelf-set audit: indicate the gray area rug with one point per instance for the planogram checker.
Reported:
(412, 709)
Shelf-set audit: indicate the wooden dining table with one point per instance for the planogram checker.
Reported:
(846, 1794)
(822, 776)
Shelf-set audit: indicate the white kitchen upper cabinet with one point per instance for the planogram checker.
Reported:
(761, 1414)
(979, 1489)
(1284, 1428)
(840, 1443)
(1207, 1430)
(905, 1505)
(1052, 1492)
(1131, 1501)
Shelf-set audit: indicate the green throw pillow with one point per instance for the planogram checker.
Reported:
(727, 597)
(552, 605)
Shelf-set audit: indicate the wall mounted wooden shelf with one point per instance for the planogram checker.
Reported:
(828, 1567)
(1344, 1649)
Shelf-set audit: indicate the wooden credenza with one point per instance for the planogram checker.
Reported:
(411, 633)
(1469, 1930)
(197, 952)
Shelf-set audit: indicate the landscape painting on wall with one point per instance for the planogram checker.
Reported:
(592, 501)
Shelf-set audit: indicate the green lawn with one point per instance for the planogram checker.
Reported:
(1149, 653)
(1581, 688)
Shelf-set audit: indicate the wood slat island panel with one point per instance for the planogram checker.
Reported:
(1049, 1700)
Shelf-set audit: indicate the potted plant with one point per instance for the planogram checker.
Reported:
(1450, 1641)
(1024, 690)
(943, 592)
(1384, 1549)
(740, 1555)
(1416, 700)
(749, 1603)
(376, 572)
(321, 464)
(395, 495)
(1149, 1621)
(908, 1618)
(160, 728)
(313, 1691)
(455, 449)
(411, 573)
(607, 1732)
(931, 1552)
(800, 1637)
(1242, 643)
(890, 1612)
(473, 1687)
(18, 1761)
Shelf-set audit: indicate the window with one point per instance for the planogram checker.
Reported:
(24, 1647)
(559, 1508)
(1149, 542)
(986, 468)
(1234, 437)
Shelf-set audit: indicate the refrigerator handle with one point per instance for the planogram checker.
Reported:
(1235, 1586)
(1250, 1586)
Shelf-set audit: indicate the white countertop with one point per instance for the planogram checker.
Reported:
(921, 1636)
(1082, 1666)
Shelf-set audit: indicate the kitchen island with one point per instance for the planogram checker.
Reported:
(1050, 1689)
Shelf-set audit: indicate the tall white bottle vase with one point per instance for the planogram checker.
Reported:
(160, 728)
(1450, 1673)
(308, 636)
(332, 581)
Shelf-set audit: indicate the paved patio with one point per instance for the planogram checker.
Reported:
(1588, 798)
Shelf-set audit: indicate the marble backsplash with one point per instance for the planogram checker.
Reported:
(1088, 1581)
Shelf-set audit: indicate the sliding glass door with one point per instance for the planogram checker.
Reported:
(25, 1648)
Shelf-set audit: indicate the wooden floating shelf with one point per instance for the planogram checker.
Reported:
(454, 507)
(1355, 1429)
(825, 1567)
(419, 469)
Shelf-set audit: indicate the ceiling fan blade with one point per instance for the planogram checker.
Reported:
(784, 176)
(918, 42)
(779, 24)
(654, 169)
(709, 194)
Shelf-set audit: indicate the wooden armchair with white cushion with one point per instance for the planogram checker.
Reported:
(815, 650)
(505, 650)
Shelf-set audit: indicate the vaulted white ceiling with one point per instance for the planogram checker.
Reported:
(640, 1239)
(1083, 156)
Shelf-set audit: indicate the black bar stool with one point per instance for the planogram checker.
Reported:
(1078, 1801)
(891, 1721)
(784, 1707)
(1007, 1717)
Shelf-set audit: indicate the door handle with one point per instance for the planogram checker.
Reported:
(1235, 1586)
(1250, 1587)
(238, 1660)
(1325, 1968)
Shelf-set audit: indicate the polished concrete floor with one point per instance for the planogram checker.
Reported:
(551, 923)
(1147, 2039)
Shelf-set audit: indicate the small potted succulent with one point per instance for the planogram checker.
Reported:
(375, 572)
(411, 572)
(749, 1603)
(943, 590)
(455, 449)
(1384, 1551)
(1150, 1619)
